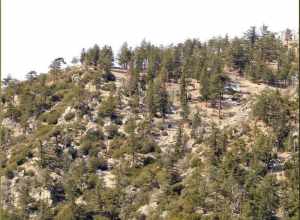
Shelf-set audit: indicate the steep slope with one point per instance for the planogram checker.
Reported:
(93, 150)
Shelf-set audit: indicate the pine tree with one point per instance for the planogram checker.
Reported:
(83, 56)
(150, 99)
(183, 96)
(131, 141)
(55, 66)
(95, 54)
(216, 87)
(196, 123)
(239, 55)
(125, 55)
(134, 103)
(163, 100)
(167, 65)
(180, 142)
(251, 35)
(153, 65)
(133, 81)
(204, 86)
(177, 60)
(31, 75)
(106, 58)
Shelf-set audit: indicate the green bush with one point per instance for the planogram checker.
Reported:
(130, 126)
(6, 215)
(65, 213)
(117, 153)
(164, 133)
(69, 116)
(9, 174)
(43, 131)
(112, 130)
(50, 117)
(85, 147)
(148, 146)
(195, 162)
(21, 160)
(108, 76)
(13, 112)
(95, 163)
(92, 180)
(107, 107)
(53, 117)
(88, 147)
(29, 173)
(94, 135)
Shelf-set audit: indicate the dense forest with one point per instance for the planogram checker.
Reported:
(197, 130)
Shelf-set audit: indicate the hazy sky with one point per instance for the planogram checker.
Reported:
(34, 32)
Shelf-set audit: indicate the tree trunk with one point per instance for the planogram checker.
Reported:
(220, 105)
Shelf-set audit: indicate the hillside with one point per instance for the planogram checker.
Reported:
(94, 142)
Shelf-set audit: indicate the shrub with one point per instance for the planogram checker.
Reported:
(99, 120)
(148, 160)
(85, 147)
(92, 142)
(43, 131)
(160, 125)
(117, 153)
(50, 117)
(92, 181)
(56, 98)
(6, 215)
(94, 135)
(9, 174)
(21, 160)
(195, 162)
(102, 164)
(107, 107)
(69, 116)
(108, 76)
(148, 146)
(97, 163)
(73, 152)
(29, 173)
(14, 113)
(117, 120)
(143, 178)
(130, 126)
(112, 131)
(91, 148)
(116, 143)
(96, 148)
(164, 133)
(83, 108)
(29, 154)
(65, 213)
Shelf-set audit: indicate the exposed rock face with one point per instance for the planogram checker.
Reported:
(67, 111)
(90, 87)
(16, 100)
(108, 178)
(15, 127)
(42, 195)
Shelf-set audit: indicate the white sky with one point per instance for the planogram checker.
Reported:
(34, 32)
